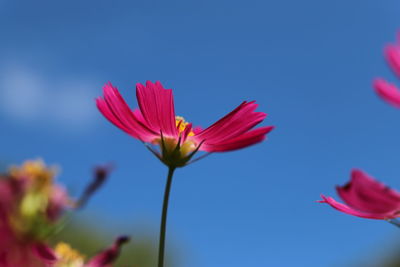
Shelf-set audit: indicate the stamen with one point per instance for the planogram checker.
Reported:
(68, 255)
(182, 125)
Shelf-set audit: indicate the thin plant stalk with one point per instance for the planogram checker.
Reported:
(163, 226)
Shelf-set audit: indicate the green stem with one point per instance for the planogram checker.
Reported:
(163, 227)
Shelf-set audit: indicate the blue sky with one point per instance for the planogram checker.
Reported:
(309, 64)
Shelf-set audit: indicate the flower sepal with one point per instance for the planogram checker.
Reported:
(175, 153)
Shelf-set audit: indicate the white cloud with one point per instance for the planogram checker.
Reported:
(21, 94)
(31, 98)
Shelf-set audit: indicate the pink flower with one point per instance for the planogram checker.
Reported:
(57, 203)
(41, 255)
(155, 122)
(367, 198)
(30, 205)
(65, 256)
(27, 255)
(387, 91)
(107, 256)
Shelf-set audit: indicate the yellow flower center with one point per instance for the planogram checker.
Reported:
(181, 124)
(36, 171)
(174, 154)
(67, 256)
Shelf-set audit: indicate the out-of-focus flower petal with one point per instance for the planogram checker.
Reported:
(365, 197)
(109, 255)
(366, 194)
(349, 210)
(392, 53)
(388, 92)
(10, 191)
(57, 203)
(3, 260)
(44, 253)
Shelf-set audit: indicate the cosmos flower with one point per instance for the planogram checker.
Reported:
(367, 198)
(32, 197)
(155, 122)
(65, 256)
(31, 206)
(388, 91)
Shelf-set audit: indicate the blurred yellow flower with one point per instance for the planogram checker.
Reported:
(67, 256)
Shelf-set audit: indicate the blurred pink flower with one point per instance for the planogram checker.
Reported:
(109, 255)
(65, 256)
(367, 198)
(27, 255)
(30, 205)
(387, 91)
(155, 122)
(58, 202)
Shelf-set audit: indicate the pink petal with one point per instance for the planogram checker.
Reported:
(3, 260)
(366, 194)
(11, 191)
(349, 210)
(233, 130)
(157, 107)
(387, 91)
(44, 253)
(196, 130)
(244, 140)
(58, 202)
(186, 132)
(139, 116)
(115, 109)
(106, 257)
(239, 121)
(392, 53)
